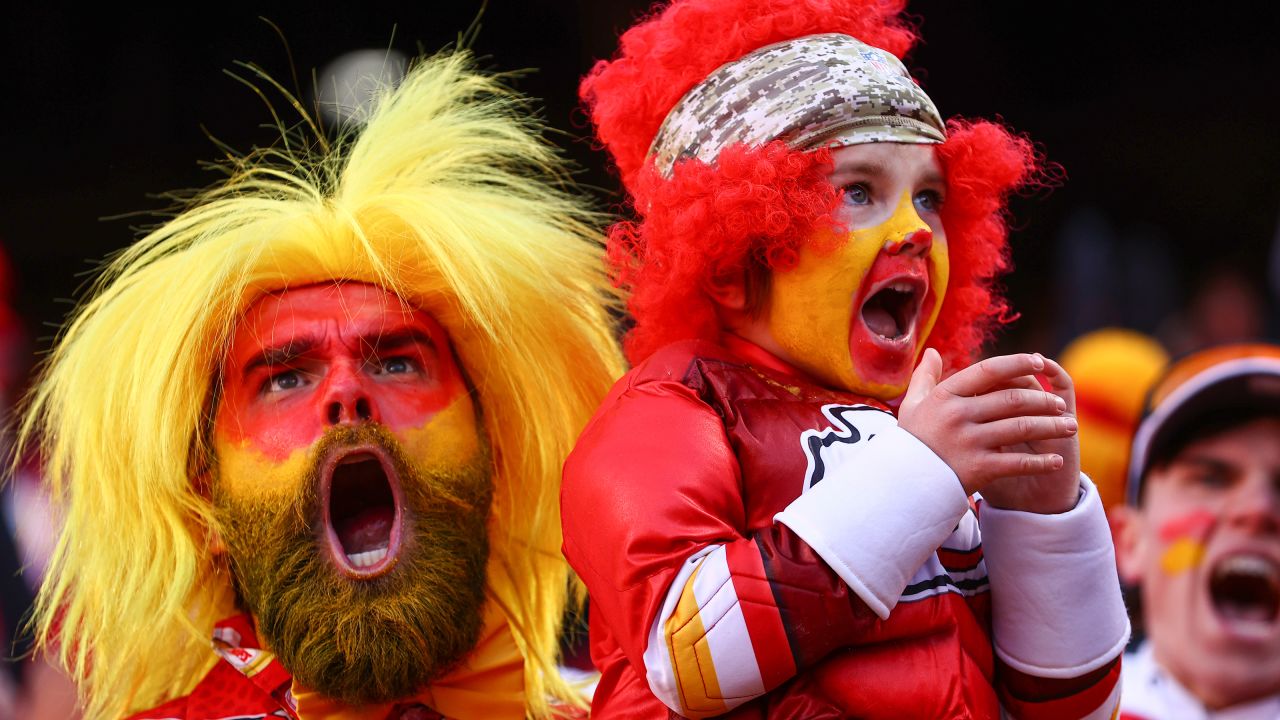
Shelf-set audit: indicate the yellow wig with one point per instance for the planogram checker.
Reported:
(449, 198)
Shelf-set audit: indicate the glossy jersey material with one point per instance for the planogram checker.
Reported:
(688, 461)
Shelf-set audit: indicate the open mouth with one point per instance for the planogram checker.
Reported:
(1245, 588)
(362, 511)
(891, 310)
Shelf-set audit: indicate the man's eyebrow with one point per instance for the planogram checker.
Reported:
(397, 338)
(1203, 461)
(281, 354)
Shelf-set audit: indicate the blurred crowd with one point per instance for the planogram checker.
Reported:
(1177, 382)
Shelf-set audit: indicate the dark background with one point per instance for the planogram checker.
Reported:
(1164, 120)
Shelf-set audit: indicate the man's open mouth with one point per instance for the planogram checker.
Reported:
(1245, 589)
(892, 308)
(363, 515)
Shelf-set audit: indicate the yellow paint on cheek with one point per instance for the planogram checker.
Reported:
(450, 439)
(1182, 555)
(246, 473)
(939, 276)
(811, 306)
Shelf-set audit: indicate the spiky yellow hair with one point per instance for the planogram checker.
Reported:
(449, 198)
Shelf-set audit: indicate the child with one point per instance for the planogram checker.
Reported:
(759, 535)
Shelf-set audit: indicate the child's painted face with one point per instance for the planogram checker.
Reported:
(1207, 554)
(856, 316)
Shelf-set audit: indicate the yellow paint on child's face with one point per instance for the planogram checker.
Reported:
(815, 309)
(450, 439)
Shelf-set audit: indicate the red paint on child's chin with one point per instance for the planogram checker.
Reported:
(1192, 525)
(877, 361)
(336, 344)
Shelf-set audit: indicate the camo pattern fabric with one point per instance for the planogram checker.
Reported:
(819, 90)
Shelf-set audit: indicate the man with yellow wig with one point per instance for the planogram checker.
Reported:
(308, 432)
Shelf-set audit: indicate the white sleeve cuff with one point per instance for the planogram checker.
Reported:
(1055, 595)
(877, 520)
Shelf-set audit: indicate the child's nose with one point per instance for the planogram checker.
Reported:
(915, 243)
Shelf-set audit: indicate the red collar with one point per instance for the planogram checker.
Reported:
(756, 356)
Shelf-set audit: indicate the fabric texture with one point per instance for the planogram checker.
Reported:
(825, 90)
(249, 683)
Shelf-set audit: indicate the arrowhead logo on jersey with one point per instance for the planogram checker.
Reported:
(851, 428)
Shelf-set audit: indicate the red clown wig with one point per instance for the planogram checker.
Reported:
(759, 205)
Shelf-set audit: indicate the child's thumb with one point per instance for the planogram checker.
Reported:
(926, 377)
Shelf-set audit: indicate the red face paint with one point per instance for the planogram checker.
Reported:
(303, 360)
(1192, 525)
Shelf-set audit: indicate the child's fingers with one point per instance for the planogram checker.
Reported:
(992, 372)
(1015, 402)
(1017, 430)
(1011, 464)
(1060, 383)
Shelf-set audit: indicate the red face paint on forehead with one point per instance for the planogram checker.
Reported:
(303, 360)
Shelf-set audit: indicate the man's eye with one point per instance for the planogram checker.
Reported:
(929, 200)
(857, 194)
(396, 366)
(1211, 479)
(283, 381)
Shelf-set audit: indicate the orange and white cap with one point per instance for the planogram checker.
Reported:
(1228, 379)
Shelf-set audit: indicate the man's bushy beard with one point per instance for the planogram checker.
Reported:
(374, 640)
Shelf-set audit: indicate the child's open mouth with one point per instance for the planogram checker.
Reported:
(892, 308)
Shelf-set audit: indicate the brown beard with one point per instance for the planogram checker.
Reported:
(378, 639)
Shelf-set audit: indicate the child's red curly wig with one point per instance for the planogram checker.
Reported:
(759, 205)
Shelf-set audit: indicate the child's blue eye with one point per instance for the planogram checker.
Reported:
(857, 194)
(929, 200)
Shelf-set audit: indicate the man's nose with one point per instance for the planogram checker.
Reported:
(1255, 505)
(347, 400)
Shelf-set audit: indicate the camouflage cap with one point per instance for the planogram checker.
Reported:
(824, 90)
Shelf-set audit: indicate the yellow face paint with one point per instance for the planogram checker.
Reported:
(814, 312)
(449, 439)
(1183, 555)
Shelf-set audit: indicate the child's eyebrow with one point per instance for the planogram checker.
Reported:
(866, 168)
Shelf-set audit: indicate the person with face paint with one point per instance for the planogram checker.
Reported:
(307, 434)
(815, 249)
(1200, 536)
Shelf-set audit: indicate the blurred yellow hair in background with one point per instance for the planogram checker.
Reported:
(448, 197)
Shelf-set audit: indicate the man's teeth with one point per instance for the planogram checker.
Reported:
(369, 558)
(1249, 566)
(902, 287)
